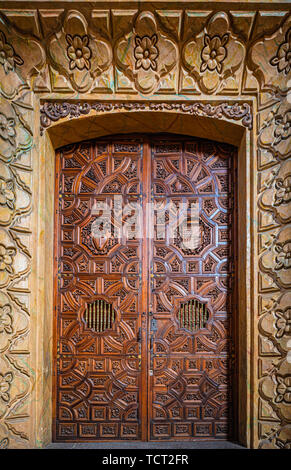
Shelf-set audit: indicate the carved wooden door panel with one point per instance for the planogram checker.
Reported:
(97, 378)
(191, 302)
(143, 331)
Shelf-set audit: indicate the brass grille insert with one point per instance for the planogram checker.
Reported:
(193, 315)
(99, 315)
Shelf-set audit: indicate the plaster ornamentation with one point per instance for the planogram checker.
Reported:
(283, 323)
(275, 133)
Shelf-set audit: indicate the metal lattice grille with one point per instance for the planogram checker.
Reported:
(193, 315)
(99, 315)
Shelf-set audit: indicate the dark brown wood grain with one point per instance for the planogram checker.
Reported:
(190, 391)
(144, 378)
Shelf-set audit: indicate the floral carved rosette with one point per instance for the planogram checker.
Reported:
(277, 197)
(145, 54)
(276, 261)
(77, 54)
(275, 133)
(270, 59)
(213, 53)
(214, 57)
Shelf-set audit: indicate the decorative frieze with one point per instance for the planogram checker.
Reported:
(54, 111)
(206, 63)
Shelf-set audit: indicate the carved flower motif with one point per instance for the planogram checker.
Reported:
(282, 130)
(8, 58)
(5, 383)
(283, 324)
(78, 51)
(283, 193)
(6, 258)
(145, 52)
(5, 319)
(213, 52)
(7, 195)
(283, 58)
(283, 259)
(7, 129)
(283, 390)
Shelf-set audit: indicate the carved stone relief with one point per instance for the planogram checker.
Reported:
(153, 57)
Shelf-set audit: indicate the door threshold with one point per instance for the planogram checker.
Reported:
(146, 445)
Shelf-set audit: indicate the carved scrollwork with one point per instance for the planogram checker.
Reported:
(54, 111)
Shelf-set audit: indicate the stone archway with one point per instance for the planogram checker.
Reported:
(109, 123)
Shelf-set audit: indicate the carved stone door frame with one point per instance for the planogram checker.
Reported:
(193, 121)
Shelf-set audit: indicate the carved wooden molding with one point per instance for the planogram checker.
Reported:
(54, 111)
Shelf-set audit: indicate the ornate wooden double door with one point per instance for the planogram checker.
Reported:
(143, 318)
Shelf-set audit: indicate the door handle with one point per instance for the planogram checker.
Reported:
(138, 337)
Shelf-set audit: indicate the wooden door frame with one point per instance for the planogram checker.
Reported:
(241, 137)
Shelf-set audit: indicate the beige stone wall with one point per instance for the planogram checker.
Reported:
(135, 58)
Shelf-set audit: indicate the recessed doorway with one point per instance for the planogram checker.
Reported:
(144, 316)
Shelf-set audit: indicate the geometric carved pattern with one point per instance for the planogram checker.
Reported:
(97, 374)
(190, 354)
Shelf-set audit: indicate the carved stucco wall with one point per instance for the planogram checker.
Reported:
(145, 53)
